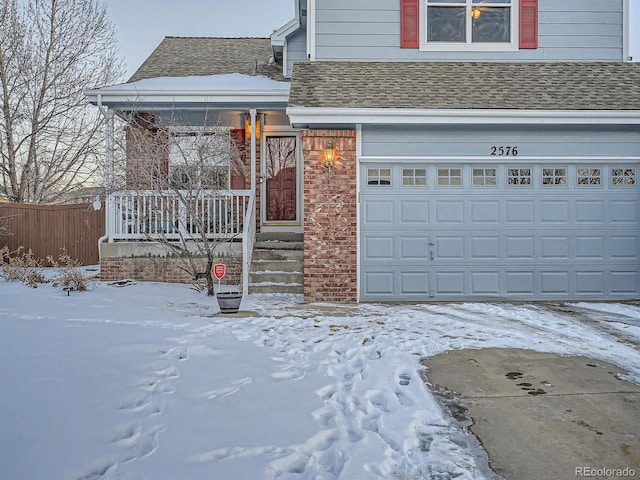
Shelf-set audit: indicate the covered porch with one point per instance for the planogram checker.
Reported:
(212, 203)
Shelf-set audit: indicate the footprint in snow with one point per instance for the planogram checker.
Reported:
(289, 373)
(236, 385)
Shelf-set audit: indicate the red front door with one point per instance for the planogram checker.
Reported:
(281, 171)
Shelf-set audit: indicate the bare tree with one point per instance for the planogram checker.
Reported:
(5, 226)
(51, 51)
(183, 176)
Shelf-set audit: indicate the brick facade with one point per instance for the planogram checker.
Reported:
(163, 269)
(330, 212)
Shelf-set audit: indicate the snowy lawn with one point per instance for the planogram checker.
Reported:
(148, 382)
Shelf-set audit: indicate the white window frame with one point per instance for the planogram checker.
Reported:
(511, 46)
(411, 179)
(375, 177)
(222, 164)
(445, 180)
(554, 177)
(625, 179)
(586, 174)
(482, 179)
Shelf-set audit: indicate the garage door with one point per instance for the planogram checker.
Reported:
(517, 232)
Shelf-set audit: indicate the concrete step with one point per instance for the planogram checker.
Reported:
(277, 245)
(276, 277)
(268, 254)
(286, 236)
(277, 263)
(276, 288)
(276, 266)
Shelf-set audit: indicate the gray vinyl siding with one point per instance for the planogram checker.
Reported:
(569, 30)
(463, 141)
(296, 47)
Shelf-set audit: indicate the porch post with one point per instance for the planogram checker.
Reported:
(110, 169)
(249, 230)
(252, 112)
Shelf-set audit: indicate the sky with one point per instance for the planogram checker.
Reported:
(142, 24)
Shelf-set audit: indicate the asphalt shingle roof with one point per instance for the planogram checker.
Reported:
(199, 56)
(467, 85)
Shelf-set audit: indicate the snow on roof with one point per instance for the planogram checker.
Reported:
(237, 82)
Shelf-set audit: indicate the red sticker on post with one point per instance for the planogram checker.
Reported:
(219, 269)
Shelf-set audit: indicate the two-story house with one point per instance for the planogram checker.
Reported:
(438, 149)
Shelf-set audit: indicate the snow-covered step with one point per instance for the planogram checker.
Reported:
(277, 264)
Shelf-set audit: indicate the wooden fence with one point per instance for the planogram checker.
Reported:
(46, 229)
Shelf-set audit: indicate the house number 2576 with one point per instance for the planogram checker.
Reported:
(503, 151)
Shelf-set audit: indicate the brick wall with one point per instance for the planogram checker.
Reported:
(163, 269)
(330, 212)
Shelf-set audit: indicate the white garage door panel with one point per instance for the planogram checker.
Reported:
(498, 241)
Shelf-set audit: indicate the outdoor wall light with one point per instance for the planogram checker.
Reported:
(330, 155)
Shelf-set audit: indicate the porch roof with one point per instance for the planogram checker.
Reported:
(227, 91)
(195, 73)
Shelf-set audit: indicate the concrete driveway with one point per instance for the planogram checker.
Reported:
(543, 416)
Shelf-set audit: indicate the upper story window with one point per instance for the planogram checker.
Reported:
(469, 23)
(458, 25)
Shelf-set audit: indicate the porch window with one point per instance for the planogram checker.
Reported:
(200, 159)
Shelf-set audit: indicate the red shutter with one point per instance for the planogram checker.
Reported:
(528, 23)
(409, 23)
(237, 180)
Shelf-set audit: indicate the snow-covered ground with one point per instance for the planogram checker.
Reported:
(148, 382)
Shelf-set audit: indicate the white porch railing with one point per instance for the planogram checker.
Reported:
(174, 216)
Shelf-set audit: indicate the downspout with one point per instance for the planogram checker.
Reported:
(109, 170)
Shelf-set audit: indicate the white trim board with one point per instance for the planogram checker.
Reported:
(301, 116)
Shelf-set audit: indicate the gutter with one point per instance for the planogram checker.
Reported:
(304, 117)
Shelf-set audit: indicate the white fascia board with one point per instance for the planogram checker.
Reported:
(369, 116)
(177, 97)
(279, 36)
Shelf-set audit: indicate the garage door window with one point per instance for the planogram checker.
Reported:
(484, 177)
(449, 177)
(414, 177)
(589, 176)
(378, 176)
(519, 176)
(623, 177)
(554, 176)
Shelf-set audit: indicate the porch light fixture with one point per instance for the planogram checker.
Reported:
(330, 154)
(475, 13)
